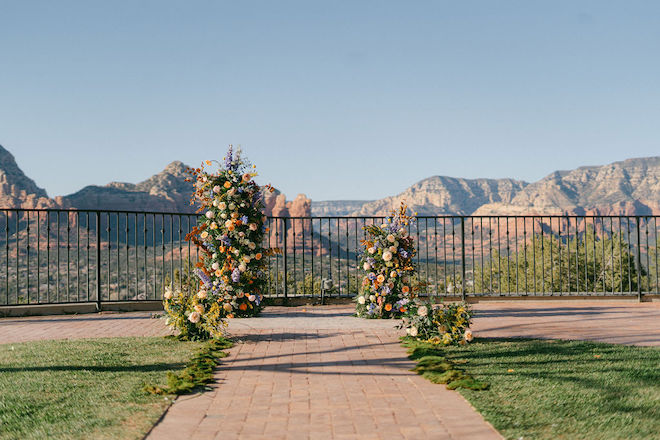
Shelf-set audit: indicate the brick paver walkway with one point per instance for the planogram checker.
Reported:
(604, 321)
(321, 374)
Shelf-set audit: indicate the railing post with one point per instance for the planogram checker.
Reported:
(639, 260)
(98, 261)
(463, 280)
(286, 266)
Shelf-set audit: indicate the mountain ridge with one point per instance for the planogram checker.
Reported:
(627, 187)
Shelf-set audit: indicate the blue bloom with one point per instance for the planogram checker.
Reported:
(403, 253)
(372, 276)
(371, 308)
(236, 275)
(244, 219)
(225, 239)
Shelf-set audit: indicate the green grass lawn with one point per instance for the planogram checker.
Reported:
(85, 389)
(565, 389)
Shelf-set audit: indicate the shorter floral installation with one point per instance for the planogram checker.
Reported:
(389, 282)
(446, 324)
(231, 273)
(388, 262)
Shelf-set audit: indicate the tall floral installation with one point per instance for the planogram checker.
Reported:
(387, 260)
(230, 232)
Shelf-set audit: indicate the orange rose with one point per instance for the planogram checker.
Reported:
(388, 307)
(258, 256)
(221, 249)
(230, 316)
(402, 310)
(231, 227)
(227, 184)
(405, 289)
(243, 306)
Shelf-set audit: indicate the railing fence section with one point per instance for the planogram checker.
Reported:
(73, 256)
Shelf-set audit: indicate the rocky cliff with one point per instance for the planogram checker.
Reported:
(440, 195)
(165, 191)
(19, 191)
(629, 187)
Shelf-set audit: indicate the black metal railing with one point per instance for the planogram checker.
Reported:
(73, 256)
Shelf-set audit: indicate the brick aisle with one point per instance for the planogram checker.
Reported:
(322, 383)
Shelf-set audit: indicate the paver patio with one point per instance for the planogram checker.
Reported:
(317, 372)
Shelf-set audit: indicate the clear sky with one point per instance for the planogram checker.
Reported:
(336, 99)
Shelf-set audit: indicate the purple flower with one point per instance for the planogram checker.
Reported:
(229, 158)
(386, 290)
(244, 219)
(371, 308)
(372, 276)
(225, 239)
(371, 261)
(235, 275)
(403, 253)
(205, 278)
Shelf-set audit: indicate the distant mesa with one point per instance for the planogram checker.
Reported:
(629, 187)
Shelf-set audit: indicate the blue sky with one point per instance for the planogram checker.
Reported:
(335, 99)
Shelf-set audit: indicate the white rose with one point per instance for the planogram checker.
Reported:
(413, 332)
(387, 256)
(251, 298)
(167, 294)
(371, 250)
(242, 267)
(209, 214)
(194, 317)
(242, 205)
(214, 256)
(216, 189)
(251, 245)
(202, 294)
(366, 266)
(372, 298)
(361, 300)
(215, 266)
(232, 206)
(468, 335)
(223, 216)
(236, 252)
(215, 203)
(393, 249)
(422, 311)
(391, 238)
(222, 205)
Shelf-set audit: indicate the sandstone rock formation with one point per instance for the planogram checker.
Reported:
(629, 187)
(440, 195)
(19, 191)
(166, 191)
